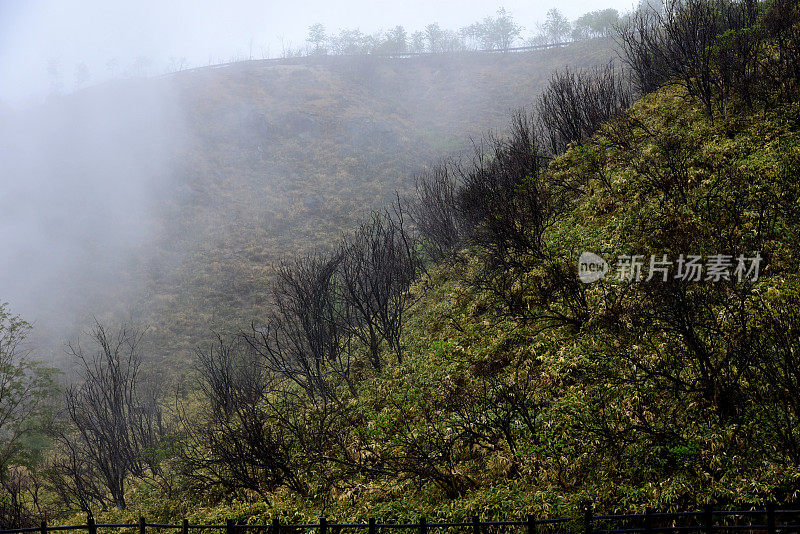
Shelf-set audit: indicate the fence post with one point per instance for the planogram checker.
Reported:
(531, 524)
(648, 520)
(90, 525)
(771, 518)
(229, 528)
(372, 528)
(708, 513)
(276, 526)
(44, 527)
(142, 525)
(587, 519)
(185, 526)
(423, 525)
(476, 525)
(323, 525)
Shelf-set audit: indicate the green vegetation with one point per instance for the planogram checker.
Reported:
(26, 389)
(533, 419)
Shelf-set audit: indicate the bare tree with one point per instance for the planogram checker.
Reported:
(643, 43)
(707, 46)
(378, 265)
(508, 203)
(113, 425)
(575, 104)
(503, 200)
(21, 491)
(781, 26)
(303, 339)
(239, 440)
(71, 477)
(434, 212)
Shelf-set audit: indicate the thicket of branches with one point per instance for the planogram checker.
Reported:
(305, 339)
(575, 104)
(241, 439)
(337, 314)
(278, 394)
(721, 51)
(504, 201)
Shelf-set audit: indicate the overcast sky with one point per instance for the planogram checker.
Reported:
(42, 42)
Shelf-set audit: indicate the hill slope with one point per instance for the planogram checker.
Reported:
(498, 410)
(285, 158)
(173, 197)
(601, 305)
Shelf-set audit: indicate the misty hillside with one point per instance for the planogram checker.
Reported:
(469, 366)
(451, 287)
(168, 200)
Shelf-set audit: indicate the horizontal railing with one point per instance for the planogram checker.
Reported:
(389, 55)
(707, 521)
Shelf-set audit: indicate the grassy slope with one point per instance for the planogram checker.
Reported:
(273, 160)
(280, 159)
(710, 459)
(458, 345)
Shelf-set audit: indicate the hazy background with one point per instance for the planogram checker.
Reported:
(44, 43)
(164, 199)
(79, 180)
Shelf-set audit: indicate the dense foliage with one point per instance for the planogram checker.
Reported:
(26, 389)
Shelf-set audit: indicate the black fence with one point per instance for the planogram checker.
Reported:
(708, 521)
(397, 55)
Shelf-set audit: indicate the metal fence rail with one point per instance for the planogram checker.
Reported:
(396, 55)
(708, 521)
